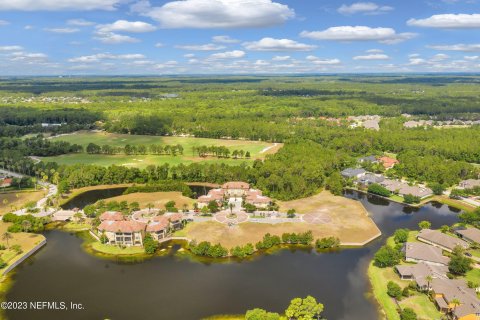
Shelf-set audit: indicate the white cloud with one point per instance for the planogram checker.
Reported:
(320, 61)
(105, 56)
(440, 57)
(201, 47)
(224, 39)
(413, 55)
(416, 61)
(448, 21)
(217, 13)
(159, 45)
(62, 30)
(114, 38)
(358, 33)
(374, 56)
(189, 55)
(28, 27)
(281, 58)
(374, 51)
(235, 54)
(57, 5)
(28, 57)
(363, 7)
(80, 23)
(471, 58)
(271, 44)
(456, 47)
(4, 23)
(126, 26)
(10, 48)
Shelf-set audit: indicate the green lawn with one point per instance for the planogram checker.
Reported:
(114, 250)
(473, 275)
(379, 278)
(84, 138)
(422, 305)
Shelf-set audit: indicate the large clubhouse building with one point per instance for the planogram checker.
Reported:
(235, 189)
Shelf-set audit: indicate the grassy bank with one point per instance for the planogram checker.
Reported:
(158, 199)
(17, 199)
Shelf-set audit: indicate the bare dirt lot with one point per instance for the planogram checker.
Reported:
(340, 217)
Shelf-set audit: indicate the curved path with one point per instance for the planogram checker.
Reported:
(240, 217)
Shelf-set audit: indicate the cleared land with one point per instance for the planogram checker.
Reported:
(17, 199)
(257, 149)
(158, 199)
(345, 218)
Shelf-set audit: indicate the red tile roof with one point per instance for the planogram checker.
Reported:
(122, 226)
(7, 182)
(111, 216)
(236, 185)
(159, 225)
(388, 162)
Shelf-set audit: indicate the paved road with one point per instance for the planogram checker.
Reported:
(51, 191)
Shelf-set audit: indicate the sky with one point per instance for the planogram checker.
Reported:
(153, 37)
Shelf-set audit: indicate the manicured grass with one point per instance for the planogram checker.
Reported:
(379, 278)
(422, 305)
(18, 199)
(114, 250)
(257, 149)
(74, 226)
(453, 203)
(473, 275)
(396, 197)
(158, 199)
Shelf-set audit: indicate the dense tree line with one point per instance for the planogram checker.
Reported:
(219, 152)
(128, 149)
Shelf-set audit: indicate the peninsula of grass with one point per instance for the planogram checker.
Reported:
(257, 149)
(158, 199)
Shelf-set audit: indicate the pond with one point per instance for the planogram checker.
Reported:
(173, 288)
(92, 196)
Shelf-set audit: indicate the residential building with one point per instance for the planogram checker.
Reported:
(164, 225)
(441, 240)
(469, 184)
(354, 173)
(469, 234)
(402, 188)
(371, 159)
(235, 188)
(422, 252)
(123, 233)
(371, 124)
(5, 183)
(370, 178)
(388, 162)
(419, 273)
(111, 216)
(446, 291)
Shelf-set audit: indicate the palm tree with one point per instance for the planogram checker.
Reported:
(455, 303)
(429, 279)
(7, 236)
(230, 205)
(26, 225)
(185, 207)
(150, 206)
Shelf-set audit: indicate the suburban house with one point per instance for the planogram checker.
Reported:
(419, 273)
(370, 178)
(402, 188)
(371, 124)
(5, 183)
(388, 162)
(235, 189)
(422, 252)
(469, 183)
(371, 159)
(354, 173)
(469, 234)
(123, 233)
(111, 216)
(445, 291)
(163, 226)
(441, 240)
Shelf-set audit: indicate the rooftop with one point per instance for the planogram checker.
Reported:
(122, 226)
(441, 239)
(472, 234)
(425, 252)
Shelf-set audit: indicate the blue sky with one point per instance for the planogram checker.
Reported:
(61, 37)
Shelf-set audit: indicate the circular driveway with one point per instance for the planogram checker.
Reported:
(222, 217)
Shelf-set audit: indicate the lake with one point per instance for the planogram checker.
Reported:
(173, 288)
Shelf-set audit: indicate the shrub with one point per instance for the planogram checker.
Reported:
(3, 264)
(149, 244)
(409, 198)
(386, 256)
(424, 224)
(379, 190)
(408, 314)
(17, 248)
(401, 235)
(394, 290)
(268, 242)
(327, 243)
